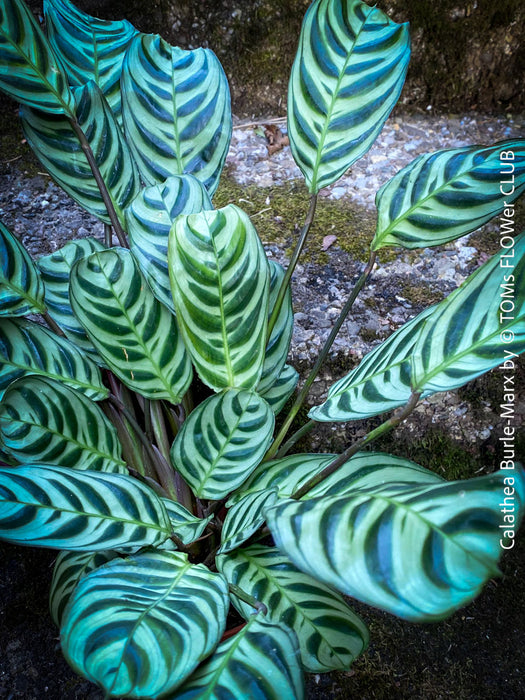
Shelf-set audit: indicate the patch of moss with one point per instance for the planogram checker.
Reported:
(419, 295)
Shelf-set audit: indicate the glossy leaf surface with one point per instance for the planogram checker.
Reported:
(21, 289)
(245, 518)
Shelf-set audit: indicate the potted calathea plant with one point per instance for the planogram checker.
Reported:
(166, 510)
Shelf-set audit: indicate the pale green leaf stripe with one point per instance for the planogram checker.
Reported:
(219, 278)
(133, 332)
(29, 348)
(176, 110)
(42, 420)
(55, 270)
(138, 627)
(419, 552)
(47, 506)
(21, 289)
(58, 149)
(222, 441)
(280, 391)
(346, 78)
(89, 48)
(68, 570)
(381, 381)
(260, 661)
(29, 72)
(186, 526)
(330, 634)
(245, 518)
(477, 327)
(444, 195)
(149, 219)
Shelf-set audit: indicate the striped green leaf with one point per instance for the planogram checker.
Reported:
(477, 327)
(222, 442)
(55, 270)
(444, 195)
(185, 525)
(346, 78)
(29, 348)
(418, 551)
(149, 218)
(280, 391)
(57, 147)
(260, 661)
(42, 420)
(245, 518)
(176, 110)
(132, 331)
(89, 48)
(69, 568)
(29, 71)
(138, 627)
(381, 381)
(330, 634)
(62, 508)
(219, 279)
(21, 289)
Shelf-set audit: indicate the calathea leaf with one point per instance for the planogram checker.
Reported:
(149, 218)
(89, 48)
(55, 270)
(69, 569)
(29, 348)
(418, 551)
(222, 442)
(21, 289)
(260, 661)
(29, 71)
(280, 391)
(346, 78)
(62, 508)
(43, 420)
(477, 327)
(444, 195)
(176, 110)
(185, 525)
(330, 634)
(219, 279)
(245, 518)
(57, 147)
(138, 627)
(132, 331)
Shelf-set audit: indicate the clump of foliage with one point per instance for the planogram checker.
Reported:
(168, 509)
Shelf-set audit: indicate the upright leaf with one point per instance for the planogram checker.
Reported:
(282, 389)
(185, 525)
(133, 332)
(244, 518)
(29, 71)
(138, 627)
(346, 78)
(176, 110)
(219, 279)
(21, 289)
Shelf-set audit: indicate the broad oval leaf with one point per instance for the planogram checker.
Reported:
(346, 78)
(68, 570)
(29, 71)
(176, 110)
(331, 636)
(222, 441)
(149, 219)
(89, 48)
(282, 389)
(245, 518)
(381, 382)
(139, 626)
(186, 526)
(476, 328)
(43, 420)
(417, 551)
(57, 147)
(260, 661)
(21, 289)
(444, 195)
(219, 279)
(29, 348)
(47, 506)
(133, 332)
(55, 270)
